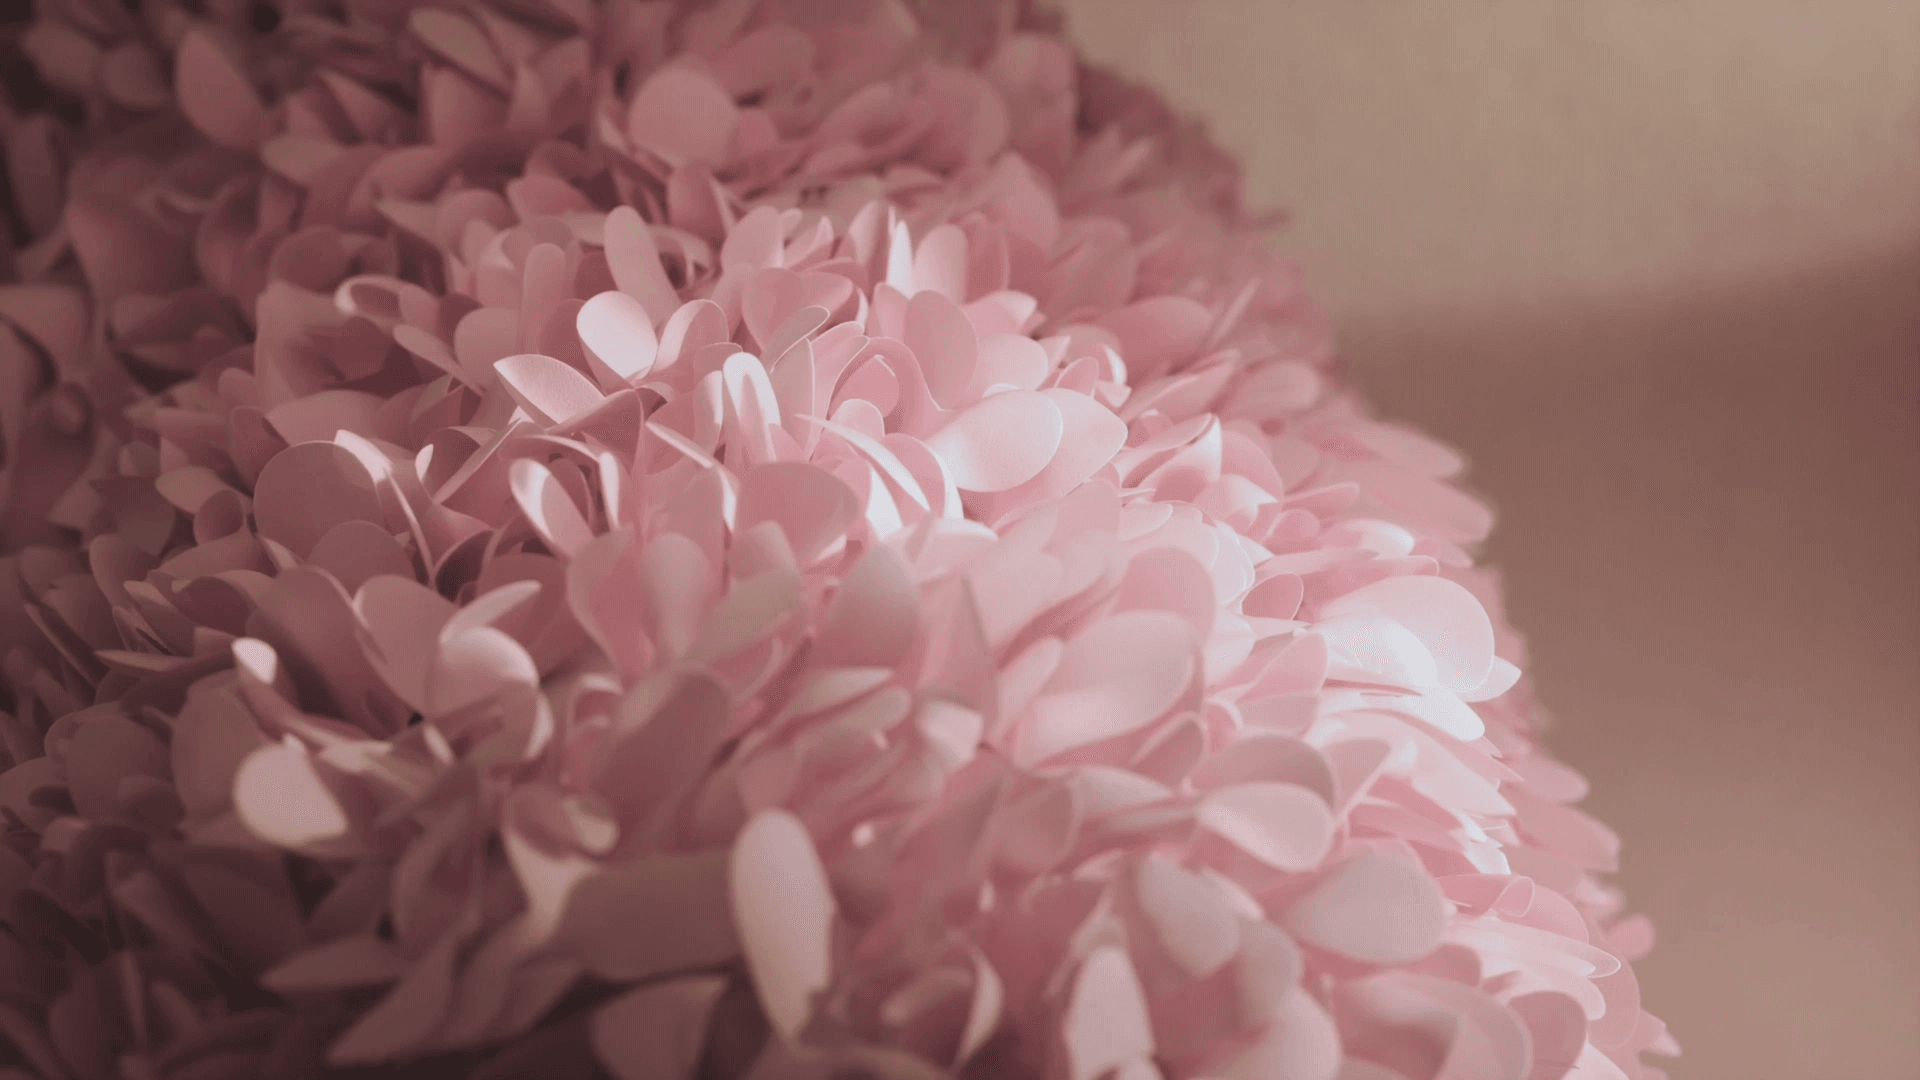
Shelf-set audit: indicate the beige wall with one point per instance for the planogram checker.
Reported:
(1655, 264)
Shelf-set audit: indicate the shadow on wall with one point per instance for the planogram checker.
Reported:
(1710, 530)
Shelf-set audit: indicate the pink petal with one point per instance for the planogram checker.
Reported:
(1283, 825)
(1090, 436)
(1503, 676)
(1559, 1030)
(1158, 333)
(548, 507)
(1448, 620)
(618, 333)
(1377, 908)
(1106, 1026)
(1262, 756)
(1193, 920)
(1372, 649)
(683, 116)
(940, 263)
(785, 911)
(663, 738)
(552, 391)
(874, 616)
(1266, 972)
(1117, 676)
(132, 77)
(656, 1032)
(214, 93)
(476, 665)
(1301, 1043)
(123, 250)
(811, 506)
(634, 259)
(482, 338)
(1010, 360)
(942, 339)
(283, 800)
(754, 609)
(1001, 442)
(1172, 580)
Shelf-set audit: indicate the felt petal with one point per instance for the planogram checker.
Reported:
(284, 801)
(214, 93)
(212, 735)
(456, 39)
(1001, 442)
(1106, 1026)
(361, 960)
(1447, 619)
(1114, 678)
(1193, 920)
(1263, 756)
(653, 916)
(408, 1014)
(684, 116)
(101, 753)
(1377, 908)
(658, 1031)
(548, 507)
(1283, 825)
(1559, 1029)
(616, 329)
(475, 665)
(403, 620)
(943, 341)
(356, 551)
(306, 490)
(874, 616)
(552, 391)
(1158, 333)
(1373, 649)
(811, 506)
(634, 260)
(1299, 1043)
(785, 912)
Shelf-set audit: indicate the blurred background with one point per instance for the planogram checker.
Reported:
(1655, 266)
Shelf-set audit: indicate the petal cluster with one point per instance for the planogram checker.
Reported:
(774, 540)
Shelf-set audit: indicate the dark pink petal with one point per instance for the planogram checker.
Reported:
(683, 116)
(214, 93)
(657, 1031)
(308, 489)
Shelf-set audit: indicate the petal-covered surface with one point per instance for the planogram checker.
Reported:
(740, 540)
